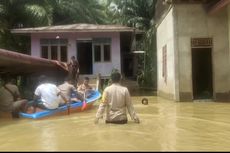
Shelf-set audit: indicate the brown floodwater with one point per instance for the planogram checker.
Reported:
(165, 126)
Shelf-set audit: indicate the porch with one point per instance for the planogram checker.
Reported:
(100, 82)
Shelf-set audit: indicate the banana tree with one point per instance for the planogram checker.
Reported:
(139, 14)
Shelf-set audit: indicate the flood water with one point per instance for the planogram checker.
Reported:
(165, 126)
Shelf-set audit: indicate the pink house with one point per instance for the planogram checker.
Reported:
(98, 48)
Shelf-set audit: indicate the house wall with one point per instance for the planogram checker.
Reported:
(194, 22)
(228, 8)
(103, 68)
(166, 36)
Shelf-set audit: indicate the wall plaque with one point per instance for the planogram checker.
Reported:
(201, 42)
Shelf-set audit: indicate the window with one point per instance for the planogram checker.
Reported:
(97, 53)
(106, 53)
(54, 52)
(102, 49)
(45, 52)
(55, 49)
(164, 63)
(63, 53)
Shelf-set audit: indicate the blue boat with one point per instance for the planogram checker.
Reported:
(74, 106)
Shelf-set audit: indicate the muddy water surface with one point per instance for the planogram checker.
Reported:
(165, 126)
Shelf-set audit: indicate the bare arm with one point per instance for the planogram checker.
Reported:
(35, 98)
(18, 93)
(63, 97)
(101, 108)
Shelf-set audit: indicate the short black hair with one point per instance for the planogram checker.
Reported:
(8, 79)
(115, 77)
(67, 78)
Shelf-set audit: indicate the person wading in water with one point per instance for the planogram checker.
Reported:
(116, 101)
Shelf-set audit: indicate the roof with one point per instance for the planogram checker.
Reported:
(17, 63)
(74, 28)
(164, 6)
(218, 6)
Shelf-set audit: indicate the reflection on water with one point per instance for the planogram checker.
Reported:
(165, 126)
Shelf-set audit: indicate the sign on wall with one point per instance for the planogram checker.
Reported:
(201, 42)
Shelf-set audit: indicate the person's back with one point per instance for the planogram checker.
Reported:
(10, 100)
(49, 95)
(68, 89)
(115, 100)
(6, 98)
(116, 96)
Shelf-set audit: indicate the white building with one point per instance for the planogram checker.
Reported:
(193, 49)
(98, 48)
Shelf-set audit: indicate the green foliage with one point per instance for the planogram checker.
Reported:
(34, 13)
(136, 13)
(150, 72)
(77, 11)
(21, 13)
(139, 14)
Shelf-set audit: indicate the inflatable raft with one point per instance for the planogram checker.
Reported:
(74, 106)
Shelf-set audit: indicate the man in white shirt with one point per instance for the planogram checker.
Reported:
(48, 94)
(115, 100)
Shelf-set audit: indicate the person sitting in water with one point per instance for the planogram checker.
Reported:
(85, 88)
(10, 100)
(46, 95)
(68, 89)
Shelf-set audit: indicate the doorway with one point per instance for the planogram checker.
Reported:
(128, 66)
(202, 73)
(84, 54)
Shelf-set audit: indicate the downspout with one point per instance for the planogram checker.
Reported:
(176, 55)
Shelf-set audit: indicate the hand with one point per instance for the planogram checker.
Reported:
(96, 120)
(137, 120)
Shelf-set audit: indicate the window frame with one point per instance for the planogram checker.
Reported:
(102, 51)
(94, 45)
(49, 43)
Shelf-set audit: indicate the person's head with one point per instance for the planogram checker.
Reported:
(13, 81)
(86, 81)
(43, 79)
(9, 79)
(68, 79)
(116, 77)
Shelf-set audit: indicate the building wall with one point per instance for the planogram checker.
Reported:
(194, 22)
(165, 36)
(103, 68)
(228, 8)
